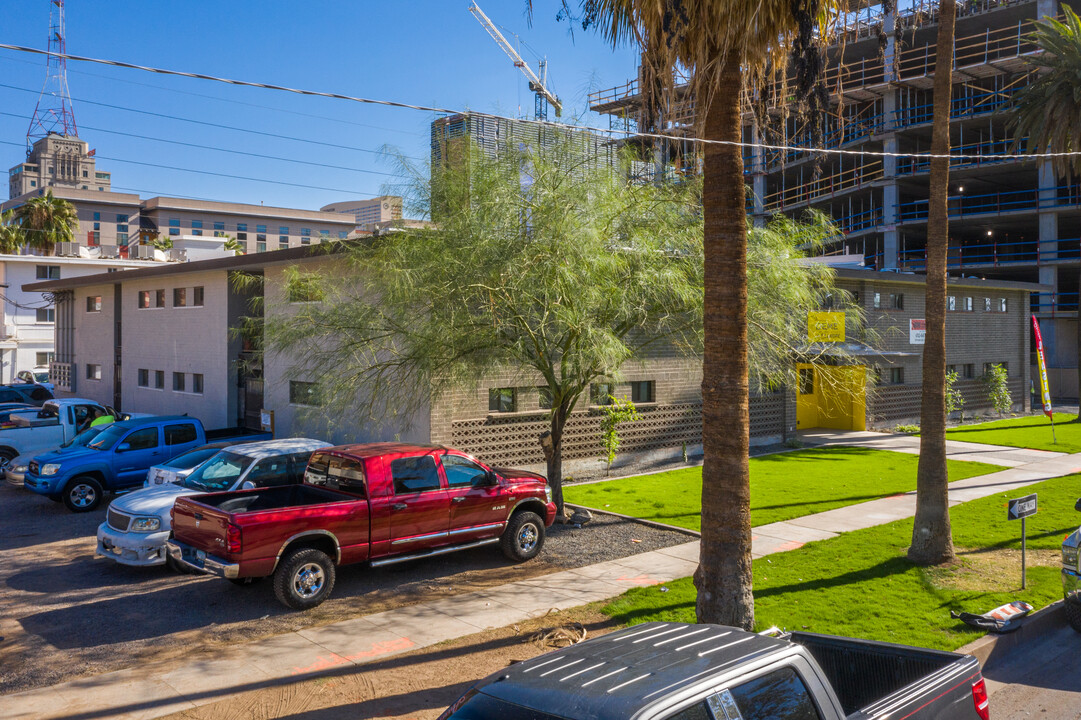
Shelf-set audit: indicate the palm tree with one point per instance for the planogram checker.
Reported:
(720, 44)
(47, 220)
(1048, 110)
(11, 235)
(932, 539)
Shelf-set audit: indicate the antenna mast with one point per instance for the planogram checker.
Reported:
(53, 113)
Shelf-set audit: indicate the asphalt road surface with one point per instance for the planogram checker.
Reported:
(1038, 679)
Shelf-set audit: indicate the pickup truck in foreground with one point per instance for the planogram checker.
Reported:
(673, 671)
(138, 523)
(1071, 576)
(378, 503)
(116, 460)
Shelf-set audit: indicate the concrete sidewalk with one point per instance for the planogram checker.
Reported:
(154, 691)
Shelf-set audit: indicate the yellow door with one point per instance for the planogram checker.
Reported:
(831, 397)
(806, 398)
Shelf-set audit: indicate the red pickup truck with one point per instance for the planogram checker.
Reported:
(379, 503)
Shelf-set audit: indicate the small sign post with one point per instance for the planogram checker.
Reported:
(1021, 508)
(266, 421)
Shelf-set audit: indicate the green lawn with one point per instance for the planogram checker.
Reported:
(861, 585)
(783, 485)
(1025, 432)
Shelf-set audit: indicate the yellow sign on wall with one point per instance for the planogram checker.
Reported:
(826, 326)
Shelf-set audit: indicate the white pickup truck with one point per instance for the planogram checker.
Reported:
(47, 427)
(138, 524)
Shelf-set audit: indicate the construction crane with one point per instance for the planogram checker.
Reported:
(537, 84)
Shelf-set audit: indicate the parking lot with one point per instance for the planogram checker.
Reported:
(66, 613)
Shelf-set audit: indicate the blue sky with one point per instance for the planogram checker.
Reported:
(428, 53)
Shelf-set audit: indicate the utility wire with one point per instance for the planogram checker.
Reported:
(226, 150)
(208, 124)
(210, 172)
(542, 123)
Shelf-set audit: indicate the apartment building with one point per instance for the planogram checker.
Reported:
(1010, 219)
(369, 213)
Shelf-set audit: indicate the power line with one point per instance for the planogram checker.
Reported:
(226, 150)
(542, 123)
(210, 124)
(215, 174)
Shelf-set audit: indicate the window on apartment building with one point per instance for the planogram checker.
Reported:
(642, 391)
(305, 232)
(93, 371)
(968, 371)
(283, 242)
(86, 174)
(97, 216)
(159, 379)
(897, 301)
(1002, 304)
(987, 367)
(502, 400)
(197, 224)
(93, 303)
(951, 303)
(877, 301)
(197, 383)
(951, 369)
(45, 315)
(178, 382)
(601, 393)
(219, 226)
(144, 299)
(544, 397)
(897, 376)
(197, 233)
(48, 272)
(260, 228)
(260, 246)
(303, 393)
(966, 304)
(159, 298)
(44, 358)
(324, 234)
(180, 297)
(94, 239)
(242, 227)
(144, 377)
(242, 236)
(343, 234)
(174, 226)
(197, 296)
(987, 304)
(283, 229)
(122, 239)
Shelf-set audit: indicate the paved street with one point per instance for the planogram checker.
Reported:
(1039, 679)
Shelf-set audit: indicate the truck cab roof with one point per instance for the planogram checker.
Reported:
(366, 450)
(152, 420)
(622, 673)
(281, 446)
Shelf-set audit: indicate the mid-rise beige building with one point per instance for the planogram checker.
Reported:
(58, 161)
(369, 214)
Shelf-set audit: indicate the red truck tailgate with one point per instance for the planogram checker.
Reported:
(200, 526)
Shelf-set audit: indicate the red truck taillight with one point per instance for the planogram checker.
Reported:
(980, 700)
(232, 538)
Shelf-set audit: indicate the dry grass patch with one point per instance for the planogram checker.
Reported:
(993, 570)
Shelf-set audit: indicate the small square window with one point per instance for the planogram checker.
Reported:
(197, 223)
(219, 226)
(283, 230)
(48, 272)
(174, 222)
(45, 315)
(93, 303)
(601, 393)
(144, 299)
(93, 372)
(159, 379)
(144, 377)
(242, 227)
(159, 298)
(303, 393)
(951, 303)
(178, 382)
(180, 297)
(967, 305)
(897, 376)
(897, 301)
(642, 391)
(968, 371)
(174, 231)
(197, 296)
(197, 383)
(502, 400)
(44, 358)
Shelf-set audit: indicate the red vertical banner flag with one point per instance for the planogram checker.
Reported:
(1045, 393)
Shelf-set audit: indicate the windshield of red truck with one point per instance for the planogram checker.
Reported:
(218, 473)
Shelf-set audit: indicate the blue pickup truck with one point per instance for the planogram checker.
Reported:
(119, 457)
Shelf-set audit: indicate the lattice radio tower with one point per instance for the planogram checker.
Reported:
(53, 113)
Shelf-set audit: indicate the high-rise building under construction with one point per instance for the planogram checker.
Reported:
(1010, 218)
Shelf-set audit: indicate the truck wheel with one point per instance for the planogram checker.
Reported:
(82, 494)
(1073, 614)
(524, 536)
(304, 578)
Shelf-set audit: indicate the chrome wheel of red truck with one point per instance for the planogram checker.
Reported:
(304, 578)
(524, 536)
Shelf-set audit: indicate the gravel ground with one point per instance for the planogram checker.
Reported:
(65, 613)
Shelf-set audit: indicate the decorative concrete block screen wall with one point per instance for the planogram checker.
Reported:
(891, 405)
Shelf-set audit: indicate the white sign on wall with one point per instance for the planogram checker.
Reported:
(917, 330)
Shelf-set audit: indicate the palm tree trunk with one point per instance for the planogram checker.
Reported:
(932, 540)
(723, 577)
